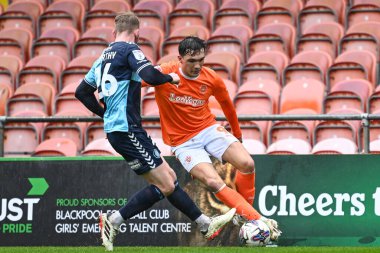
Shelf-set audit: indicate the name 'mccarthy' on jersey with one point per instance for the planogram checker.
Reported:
(115, 74)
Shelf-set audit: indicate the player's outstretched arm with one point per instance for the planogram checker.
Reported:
(154, 77)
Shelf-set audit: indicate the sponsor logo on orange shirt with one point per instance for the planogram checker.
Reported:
(188, 100)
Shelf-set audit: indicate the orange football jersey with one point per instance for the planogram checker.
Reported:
(184, 110)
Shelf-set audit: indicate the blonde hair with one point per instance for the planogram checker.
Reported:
(126, 21)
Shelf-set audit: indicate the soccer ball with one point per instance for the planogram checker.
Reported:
(254, 233)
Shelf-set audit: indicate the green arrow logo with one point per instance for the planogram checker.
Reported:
(39, 186)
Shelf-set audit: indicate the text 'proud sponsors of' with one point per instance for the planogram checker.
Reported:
(325, 204)
(80, 220)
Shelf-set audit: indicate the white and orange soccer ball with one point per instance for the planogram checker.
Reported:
(254, 233)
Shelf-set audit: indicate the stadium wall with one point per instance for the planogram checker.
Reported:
(318, 200)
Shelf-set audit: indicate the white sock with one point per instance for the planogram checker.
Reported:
(116, 219)
(203, 222)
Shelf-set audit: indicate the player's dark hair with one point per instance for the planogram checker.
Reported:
(126, 21)
(191, 45)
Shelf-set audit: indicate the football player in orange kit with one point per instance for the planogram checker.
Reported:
(189, 127)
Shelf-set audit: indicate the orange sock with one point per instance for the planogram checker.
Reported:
(245, 185)
(233, 199)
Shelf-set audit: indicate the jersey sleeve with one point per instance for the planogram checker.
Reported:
(137, 60)
(222, 96)
(93, 75)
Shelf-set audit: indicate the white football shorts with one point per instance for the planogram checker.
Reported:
(213, 140)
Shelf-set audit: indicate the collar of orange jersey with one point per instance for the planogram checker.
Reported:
(187, 77)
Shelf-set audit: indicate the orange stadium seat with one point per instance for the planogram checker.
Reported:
(278, 11)
(321, 37)
(373, 103)
(293, 95)
(94, 131)
(297, 129)
(20, 139)
(43, 2)
(337, 128)
(226, 69)
(61, 13)
(254, 147)
(148, 103)
(16, 41)
(187, 13)
(168, 58)
(86, 3)
(99, 147)
(362, 36)
(11, 65)
(56, 147)
(43, 68)
(94, 41)
(348, 94)
(66, 101)
(150, 41)
(335, 146)
(59, 41)
(320, 11)
(352, 65)
(366, 12)
(153, 13)
(258, 95)
(5, 93)
(22, 14)
(236, 12)
(170, 44)
(230, 38)
(307, 65)
(31, 97)
(273, 37)
(265, 65)
(374, 147)
(289, 147)
(103, 13)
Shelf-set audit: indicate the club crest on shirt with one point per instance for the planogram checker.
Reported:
(138, 54)
(188, 159)
(203, 88)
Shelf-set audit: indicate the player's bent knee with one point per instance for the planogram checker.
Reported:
(167, 188)
(214, 184)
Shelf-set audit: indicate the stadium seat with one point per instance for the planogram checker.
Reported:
(254, 147)
(348, 94)
(10, 66)
(307, 65)
(62, 13)
(361, 36)
(16, 41)
(374, 147)
(66, 101)
(99, 147)
(236, 12)
(148, 103)
(170, 44)
(56, 147)
(289, 147)
(150, 41)
(93, 41)
(59, 41)
(103, 13)
(187, 13)
(168, 58)
(31, 97)
(337, 128)
(43, 68)
(320, 11)
(278, 11)
(333, 146)
(352, 65)
(225, 69)
(292, 129)
(258, 95)
(265, 65)
(153, 13)
(22, 14)
(373, 103)
(366, 12)
(293, 95)
(321, 37)
(20, 139)
(273, 37)
(5, 93)
(94, 131)
(230, 38)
